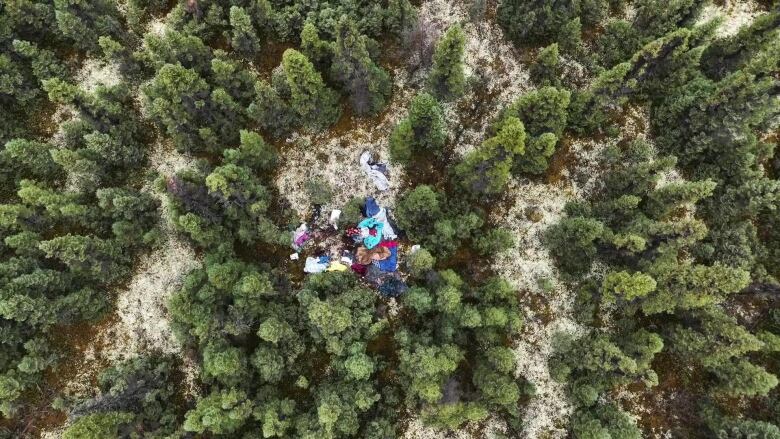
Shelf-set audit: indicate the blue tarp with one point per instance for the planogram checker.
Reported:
(391, 263)
(372, 208)
(393, 287)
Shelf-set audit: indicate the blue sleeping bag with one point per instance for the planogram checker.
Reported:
(391, 263)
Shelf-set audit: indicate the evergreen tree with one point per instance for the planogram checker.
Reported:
(541, 111)
(244, 38)
(543, 21)
(84, 21)
(367, 84)
(486, 171)
(315, 104)
(319, 52)
(546, 70)
(447, 80)
(98, 425)
(422, 131)
(219, 413)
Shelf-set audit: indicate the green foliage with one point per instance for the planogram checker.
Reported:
(446, 79)
(253, 152)
(226, 365)
(604, 421)
(62, 244)
(537, 154)
(367, 85)
(319, 52)
(138, 394)
(315, 104)
(244, 38)
(351, 213)
(541, 111)
(495, 240)
(327, 357)
(676, 251)
(626, 287)
(429, 366)
(571, 242)
(727, 55)
(83, 22)
(452, 416)
(227, 202)
(437, 224)
(729, 153)
(544, 114)
(742, 377)
(544, 21)
(423, 130)
(546, 71)
(618, 43)
(201, 107)
(219, 413)
(23, 158)
(486, 171)
(596, 364)
(725, 427)
(98, 426)
(656, 18)
(639, 224)
(420, 262)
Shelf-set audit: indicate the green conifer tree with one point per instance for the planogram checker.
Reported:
(447, 79)
(310, 98)
(367, 85)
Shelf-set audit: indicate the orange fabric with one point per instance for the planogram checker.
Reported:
(364, 256)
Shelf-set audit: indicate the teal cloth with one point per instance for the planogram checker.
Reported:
(372, 241)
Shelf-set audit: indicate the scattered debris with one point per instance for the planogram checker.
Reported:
(376, 171)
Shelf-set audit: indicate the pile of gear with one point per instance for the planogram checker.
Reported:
(375, 254)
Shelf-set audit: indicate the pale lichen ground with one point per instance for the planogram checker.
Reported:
(95, 72)
(489, 429)
(524, 266)
(734, 13)
(143, 325)
(334, 158)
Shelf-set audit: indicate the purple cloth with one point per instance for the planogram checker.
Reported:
(301, 239)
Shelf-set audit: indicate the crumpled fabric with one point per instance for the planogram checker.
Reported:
(315, 265)
(359, 269)
(375, 276)
(364, 256)
(369, 240)
(334, 218)
(300, 236)
(336, 266)
(371, 207)
(393, 287)
(375, 171)
(387, 230)
(388, 284)
(389, 264)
